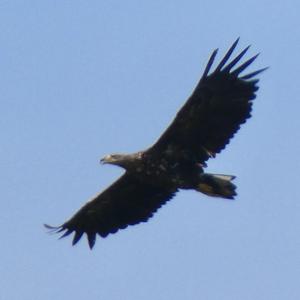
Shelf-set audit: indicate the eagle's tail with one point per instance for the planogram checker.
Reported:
(217, 185)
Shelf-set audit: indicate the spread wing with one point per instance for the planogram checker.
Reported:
(128, 201)
(221, 102)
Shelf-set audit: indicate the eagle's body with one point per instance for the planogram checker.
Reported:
(161, 171)
(220, 103)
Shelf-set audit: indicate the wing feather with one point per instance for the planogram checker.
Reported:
(236, 60)
(227, 56)
(245, 65)
(210, 62)
(126, 202)
(220, 103)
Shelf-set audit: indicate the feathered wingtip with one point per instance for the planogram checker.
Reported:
(91, 237)
(226, 67)
(53, 229)
(58, 229)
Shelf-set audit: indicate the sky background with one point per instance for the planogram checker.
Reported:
(81, 79)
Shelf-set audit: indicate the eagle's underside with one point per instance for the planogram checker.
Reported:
(220, 103)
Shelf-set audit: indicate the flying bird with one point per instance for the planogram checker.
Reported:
(220, 103)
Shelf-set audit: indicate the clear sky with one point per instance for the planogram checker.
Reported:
(81, 79)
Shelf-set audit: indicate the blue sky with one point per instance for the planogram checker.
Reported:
(80, 79)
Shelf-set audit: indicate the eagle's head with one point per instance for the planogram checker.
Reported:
(125, 161)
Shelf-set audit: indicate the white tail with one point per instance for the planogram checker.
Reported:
(217, 185)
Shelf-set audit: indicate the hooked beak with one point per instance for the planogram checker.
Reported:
(105, 160)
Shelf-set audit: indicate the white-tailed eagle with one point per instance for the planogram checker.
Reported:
(220, 103)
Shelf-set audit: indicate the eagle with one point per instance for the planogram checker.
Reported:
(220, 103)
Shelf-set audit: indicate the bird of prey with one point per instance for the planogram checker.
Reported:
(220, 103)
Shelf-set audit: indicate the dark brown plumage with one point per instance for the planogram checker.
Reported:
(221, 102)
